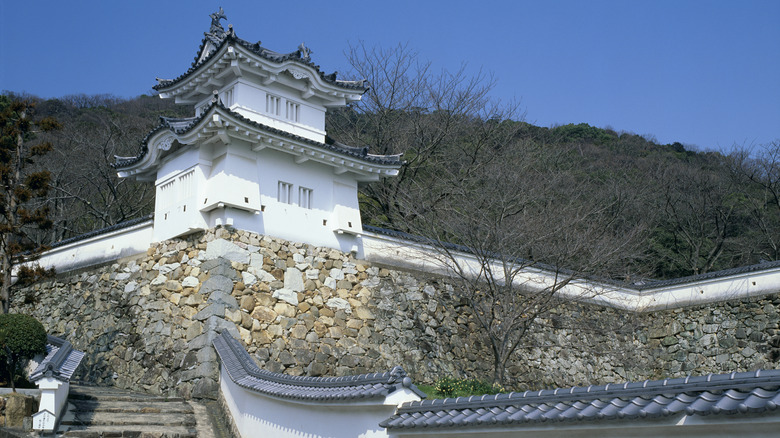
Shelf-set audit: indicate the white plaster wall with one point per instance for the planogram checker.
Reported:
(257, 415)
(317, 224)
(99, 249)
(397, 252)
(249, 100)
(176, 212)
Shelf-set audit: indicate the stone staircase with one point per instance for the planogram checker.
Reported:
(97, 412)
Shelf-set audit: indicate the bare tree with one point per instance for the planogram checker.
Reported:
(757, 174)
(701, 212)
(413, 111)
(516, 228)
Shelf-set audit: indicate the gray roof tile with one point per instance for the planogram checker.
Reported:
(60, 362)
(245, 373)
(184, 125)
(733, 393)
(297, 56)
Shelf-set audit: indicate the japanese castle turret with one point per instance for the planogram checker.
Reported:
(256, 156)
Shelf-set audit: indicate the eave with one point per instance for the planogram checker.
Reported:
(220, 124)
(235, 58)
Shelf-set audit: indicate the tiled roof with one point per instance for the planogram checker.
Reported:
(60, 362)
(736, 393)
(230, 37)
(653, 284)
(184, 125)
(245, 373)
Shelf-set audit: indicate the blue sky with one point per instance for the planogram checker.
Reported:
(704, 73)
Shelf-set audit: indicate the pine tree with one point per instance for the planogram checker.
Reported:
(21, 183)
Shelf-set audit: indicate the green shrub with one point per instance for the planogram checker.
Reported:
(21, 338)
(451, 387)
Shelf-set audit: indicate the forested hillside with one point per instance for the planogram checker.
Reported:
(605, 202)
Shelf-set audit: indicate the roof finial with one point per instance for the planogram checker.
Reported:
(216, 26)
(305, 52)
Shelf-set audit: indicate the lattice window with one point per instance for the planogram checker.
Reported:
(187, 182)
(305, 197)
(273, 104)
(285, 194)
(293, 112)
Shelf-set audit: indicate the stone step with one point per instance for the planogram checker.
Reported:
(134, 432)
(146, 407)
(108, 393)
(128, 418)
(103, 412)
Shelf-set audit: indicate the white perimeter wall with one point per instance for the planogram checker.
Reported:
(397, 252)
(257, 415)
(100, 249)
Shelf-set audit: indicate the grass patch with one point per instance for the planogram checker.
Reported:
(448, 387)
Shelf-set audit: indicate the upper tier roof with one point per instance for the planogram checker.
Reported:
(299, 56)
(220, 51)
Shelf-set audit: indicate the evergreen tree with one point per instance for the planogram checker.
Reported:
(21, 184)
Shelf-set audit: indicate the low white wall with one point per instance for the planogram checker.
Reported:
(102, 248)
(399, 252)
(255, 414)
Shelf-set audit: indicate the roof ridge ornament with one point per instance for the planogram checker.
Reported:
(216, 27)
(305, 52)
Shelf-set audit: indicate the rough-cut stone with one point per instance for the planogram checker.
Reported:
(286, 295)
(220, 297)
(293, 280)
(190, 281)
(340, 304)
(229, 250)
(215, 309)
(248, 303)
(206, 388)
(217, 283)
(167, 268)
(248, 279)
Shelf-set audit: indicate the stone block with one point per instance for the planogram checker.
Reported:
(299, 332)
(206, 388)
(286, 295)
(293, 279)
(363, 313)
(191, 281)
(233, 315)
(216, 309)
(339, 304)
(264, 314)
(17, 407)
(224, 298)
(228, 250)
(216, 283)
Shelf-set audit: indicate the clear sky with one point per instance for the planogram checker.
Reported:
(704, 73)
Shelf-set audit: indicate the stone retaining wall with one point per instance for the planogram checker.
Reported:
(147, 323)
